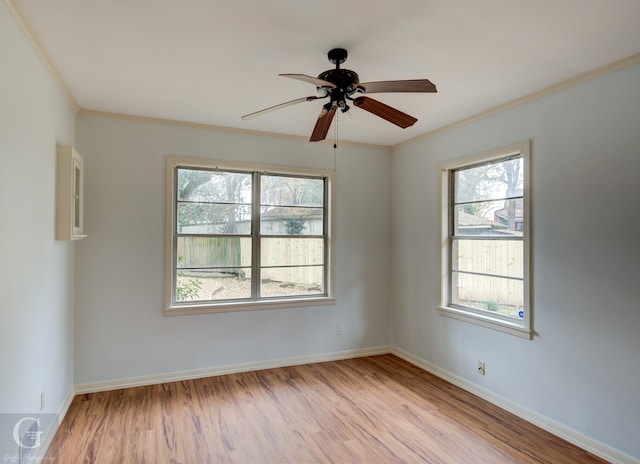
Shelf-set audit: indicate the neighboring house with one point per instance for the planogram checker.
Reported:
(470, 224)
(501, 216)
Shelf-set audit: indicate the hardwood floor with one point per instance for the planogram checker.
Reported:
(377, 409)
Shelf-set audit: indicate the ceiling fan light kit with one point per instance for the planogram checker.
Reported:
(342, 85)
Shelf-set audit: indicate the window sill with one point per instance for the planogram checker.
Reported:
(511, 328)
(184, 310)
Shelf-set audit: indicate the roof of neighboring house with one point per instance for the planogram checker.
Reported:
(282, 212)
(519, 212)
(503, 213)
(470, 220)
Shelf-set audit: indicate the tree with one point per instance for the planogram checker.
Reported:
(294, 226)
(292, 191)
(213, 199)
(512, 177)
(481, 184)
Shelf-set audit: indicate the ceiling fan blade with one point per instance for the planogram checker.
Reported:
(385, 112)
(277, 107)
(415, 85)
(311, 80)
(322, 125)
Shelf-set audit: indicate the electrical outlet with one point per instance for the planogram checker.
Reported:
(42, 401)
(481, 369)
(339, 329)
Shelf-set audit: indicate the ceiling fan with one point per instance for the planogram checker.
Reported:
(342, 85)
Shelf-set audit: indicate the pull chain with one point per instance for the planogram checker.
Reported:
(335, 140)
(335, 130)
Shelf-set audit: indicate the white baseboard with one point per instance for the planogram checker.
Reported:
(47, 437)
(572, 436)
(154, 379)
(66, 403)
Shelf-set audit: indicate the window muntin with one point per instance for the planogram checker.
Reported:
(246, 236)
(486, 255)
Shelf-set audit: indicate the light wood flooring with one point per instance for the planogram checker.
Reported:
(377, 409)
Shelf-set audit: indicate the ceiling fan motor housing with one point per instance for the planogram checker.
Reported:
(346, 83)
(344, 79)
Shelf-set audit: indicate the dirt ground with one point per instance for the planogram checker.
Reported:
(232, 287)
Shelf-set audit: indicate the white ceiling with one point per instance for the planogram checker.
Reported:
(210, 62)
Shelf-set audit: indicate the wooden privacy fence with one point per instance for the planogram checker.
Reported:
(500, 257)
(212, 252)
(306, 255)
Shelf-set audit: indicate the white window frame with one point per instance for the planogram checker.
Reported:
(519, 327)
(173, 308)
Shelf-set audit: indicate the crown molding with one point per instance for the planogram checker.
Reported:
(197, 125)
(41, 51)
(584, 77)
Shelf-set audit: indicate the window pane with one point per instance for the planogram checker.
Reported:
(500, 179)
(287, 220)
(291, 251)
(213, 252)
(214, 186)
(502, 218)
(213, 284)
(498, 257)
(286, 281)
(493, 294)
(76, 195)
(291, 191)
(212, 218)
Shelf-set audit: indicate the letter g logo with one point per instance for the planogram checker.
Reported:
(31, 439)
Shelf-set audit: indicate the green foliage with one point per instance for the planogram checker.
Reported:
(473, 209)
(491, 306)
(188, 290)
(294, 226)
(239, 273)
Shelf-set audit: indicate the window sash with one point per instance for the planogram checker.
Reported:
(453, 236)
(520, 326)
(255, 236)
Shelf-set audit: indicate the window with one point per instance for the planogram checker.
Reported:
(246, 237)
(485, 225)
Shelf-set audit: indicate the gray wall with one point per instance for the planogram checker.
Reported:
(120, 328)
(36, 274)
(582, 367)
